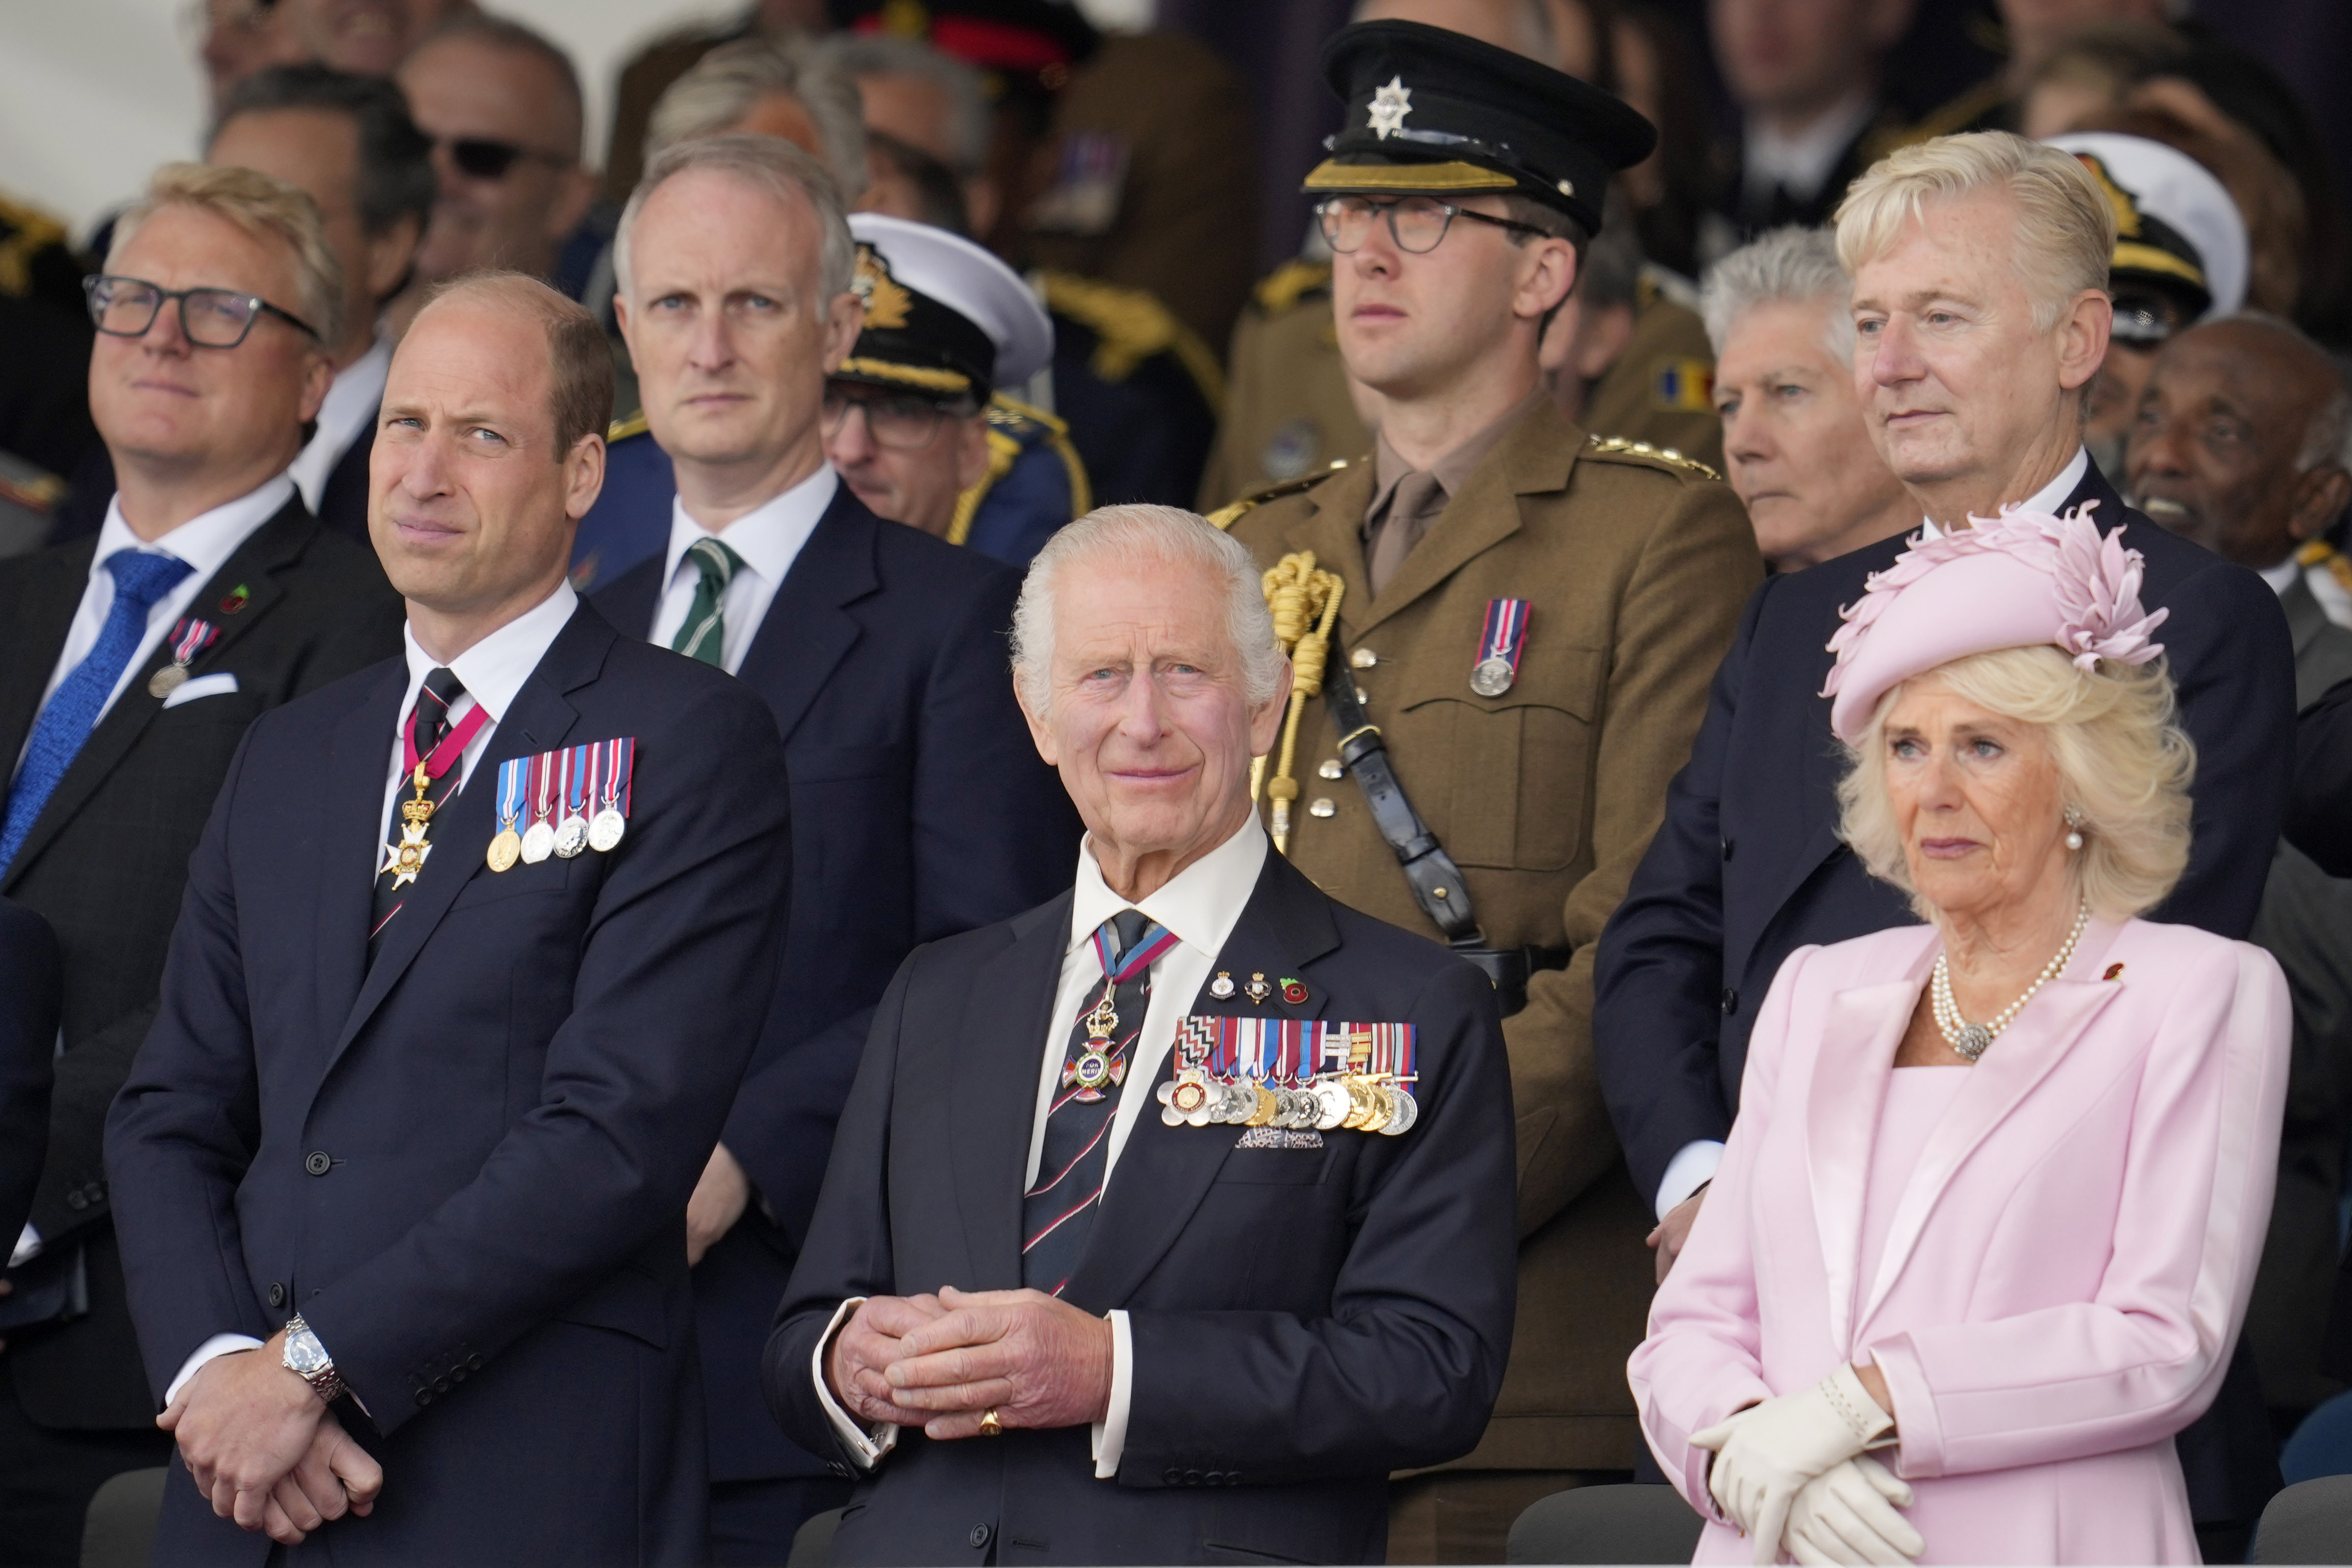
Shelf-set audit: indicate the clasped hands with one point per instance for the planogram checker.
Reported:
(264, 1449)
(1791, 1472)
(941, 1362)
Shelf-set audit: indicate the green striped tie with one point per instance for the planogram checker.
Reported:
(704, 634)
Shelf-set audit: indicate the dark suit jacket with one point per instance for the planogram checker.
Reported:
(466, 1166)
(921, 809)
(2319, 818)
(108, 857)
(28, 1042)
(1748, 866)
(1304, 1320)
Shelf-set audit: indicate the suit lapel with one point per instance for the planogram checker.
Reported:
(805, 631)
(1858, 1043)
(47, 602)
(993, 1084)
(1164, 1172)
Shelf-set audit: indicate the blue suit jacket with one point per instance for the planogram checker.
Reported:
(466, 1166)
(1748, 866)
(921, 809)
(31, 980)
(1304, 1320)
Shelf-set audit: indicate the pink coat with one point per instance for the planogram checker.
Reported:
(2067, 1268)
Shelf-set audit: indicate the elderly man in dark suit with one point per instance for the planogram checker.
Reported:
(131, 661)
(475, 947)
(920, 807)
(1981, 315)
(1167, 1218)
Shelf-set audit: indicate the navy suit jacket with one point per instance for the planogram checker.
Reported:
(1748, 866)
(467, 1164)
(30, 983)
(1304, 1320)
(920, 808)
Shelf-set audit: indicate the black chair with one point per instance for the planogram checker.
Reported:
(1631, 1523)
(811, 1542)
(2311, 1521)
(119, 1531)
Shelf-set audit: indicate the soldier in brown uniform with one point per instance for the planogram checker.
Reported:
(1505, 631)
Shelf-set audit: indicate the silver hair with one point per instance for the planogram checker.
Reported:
(1146, 537)
(1798, 266)
(769, 164)
(724, 84)
(970, 125)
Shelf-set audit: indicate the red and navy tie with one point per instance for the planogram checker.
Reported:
(1059, 1210)
(430, 722)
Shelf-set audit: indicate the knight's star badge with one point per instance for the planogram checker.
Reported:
(1391, 104)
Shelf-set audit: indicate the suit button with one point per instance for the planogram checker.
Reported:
(977, 1536)
(318, 1163)
(424, 1397)
(1730, 1001)
(441, 1385)
(1191, 1478)
(474, 1363)
(1216, 1478)
(1172, 1476)
(74, 1200)
(277, 1293)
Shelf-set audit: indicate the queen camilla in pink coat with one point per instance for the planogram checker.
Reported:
(1985, 1228)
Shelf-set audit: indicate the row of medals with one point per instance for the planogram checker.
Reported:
(1366, 1102)
(562, 840)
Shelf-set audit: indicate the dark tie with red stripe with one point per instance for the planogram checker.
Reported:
(1058, 1211)
(429, 721)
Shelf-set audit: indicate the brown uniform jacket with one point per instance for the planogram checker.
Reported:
(1636, 568)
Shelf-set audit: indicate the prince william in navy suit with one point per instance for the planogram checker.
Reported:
(402, 1169)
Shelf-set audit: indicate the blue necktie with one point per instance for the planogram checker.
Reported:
(139, 578)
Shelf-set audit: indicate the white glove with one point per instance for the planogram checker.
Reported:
(1765, 1454)
(1847, 1515)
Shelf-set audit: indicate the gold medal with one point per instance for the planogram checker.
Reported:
(505, 850)
(1263, 1115)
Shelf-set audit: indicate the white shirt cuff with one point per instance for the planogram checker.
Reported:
(1687, 1172)
(866, 1445)
(1110, 1432)
(28, 1247)
(211, 1350)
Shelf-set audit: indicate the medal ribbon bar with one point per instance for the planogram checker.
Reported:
(191, 637)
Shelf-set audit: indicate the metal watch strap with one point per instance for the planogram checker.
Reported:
(326, 1383)
(1435, 880)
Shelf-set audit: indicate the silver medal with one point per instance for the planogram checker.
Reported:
(1408, 1111)
(1493, 677)
(606, 830)
(572, 836)
(1330, 1104)
(537, 844)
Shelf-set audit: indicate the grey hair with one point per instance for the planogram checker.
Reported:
(725, 83)
(970, 126)
(1146, 537)
(1798, 266)
(771, 164)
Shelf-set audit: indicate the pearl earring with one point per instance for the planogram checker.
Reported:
(2073, 829)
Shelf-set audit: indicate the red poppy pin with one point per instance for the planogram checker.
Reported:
(1294, 991)
(2114, 972)
(236, 599)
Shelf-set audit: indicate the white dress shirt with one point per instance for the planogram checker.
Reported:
(1200, 905)
(768, 538)
(1694, 1165)
(492, 673)
(1801, 162)
(347, 414)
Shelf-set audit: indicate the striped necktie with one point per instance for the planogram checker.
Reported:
(703, 635)
(429, 722)
(1058, 1211)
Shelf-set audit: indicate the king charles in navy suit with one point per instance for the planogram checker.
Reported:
(401, 1171)
(1075, 1291)
(1970, 370)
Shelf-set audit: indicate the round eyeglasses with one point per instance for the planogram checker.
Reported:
(1417, 223)
(900, 421)
(209, 318)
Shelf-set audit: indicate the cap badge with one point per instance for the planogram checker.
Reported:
(886, 302)
(1391, 104)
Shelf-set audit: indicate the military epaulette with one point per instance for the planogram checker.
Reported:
(1234, 511)
(1291, 282)
(1619, 446)
(621, 429)
(1130, 325)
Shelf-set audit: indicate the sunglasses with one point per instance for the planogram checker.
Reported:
(484, 158)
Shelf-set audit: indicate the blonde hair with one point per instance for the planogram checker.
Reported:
(2124, 767)
(2065, 227)
(268, 209)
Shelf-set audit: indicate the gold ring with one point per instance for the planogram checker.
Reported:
(989, 1427)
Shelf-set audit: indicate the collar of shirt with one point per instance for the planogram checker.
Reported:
(2281, 576)
(1454, 470)
(1801, 162)
(769, 539)
(492, 671)
(2048, 498)
(350, 409)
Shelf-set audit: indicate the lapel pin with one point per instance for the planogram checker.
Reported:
(1294, 992)
(2115, 971)
(236, 599)
(1257, 990)
(1222, 987)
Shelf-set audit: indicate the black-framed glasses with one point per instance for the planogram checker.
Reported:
(903, 422)
(1417, 223)
(209, 318)
(487, 158)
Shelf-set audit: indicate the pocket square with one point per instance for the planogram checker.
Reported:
(1279, 1137)
(216, 685)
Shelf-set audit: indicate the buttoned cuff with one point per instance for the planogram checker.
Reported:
(865, 1445)
(28, 1248)
(211, 1350)
(1110, 1432)
(1692, 1167)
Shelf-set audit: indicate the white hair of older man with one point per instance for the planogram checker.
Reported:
(1793, 265)
(971, 123)
(771, 164)
(724, 85)
(1154, 538)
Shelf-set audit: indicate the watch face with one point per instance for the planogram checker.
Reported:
(305, 1354)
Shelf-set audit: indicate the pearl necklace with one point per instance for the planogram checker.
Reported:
(1971, 1039)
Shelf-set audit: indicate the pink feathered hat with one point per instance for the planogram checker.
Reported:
(2017, 580)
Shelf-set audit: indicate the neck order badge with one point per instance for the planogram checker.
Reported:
(405, 856)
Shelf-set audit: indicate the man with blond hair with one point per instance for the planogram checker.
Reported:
(475, 947)
(131, 661)
(1980, 314)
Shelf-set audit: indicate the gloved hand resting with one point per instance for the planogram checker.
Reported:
(1847, 1515)
(1765, 1454)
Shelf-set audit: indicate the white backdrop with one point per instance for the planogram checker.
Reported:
(94, 93)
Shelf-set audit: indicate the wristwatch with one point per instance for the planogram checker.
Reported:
(307, 1359)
